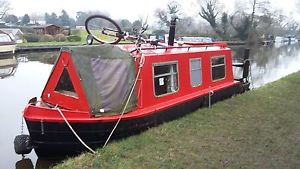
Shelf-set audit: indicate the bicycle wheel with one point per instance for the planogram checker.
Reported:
(103, 29)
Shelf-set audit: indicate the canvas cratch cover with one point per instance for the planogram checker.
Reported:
(107, 75)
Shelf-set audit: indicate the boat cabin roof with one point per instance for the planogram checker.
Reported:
(178, 48)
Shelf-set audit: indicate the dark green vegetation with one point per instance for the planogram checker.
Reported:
(77, 37)
(258, 129)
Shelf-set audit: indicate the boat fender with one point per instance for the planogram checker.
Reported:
(22, 144)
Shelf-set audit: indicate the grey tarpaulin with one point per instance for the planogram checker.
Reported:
(107, 74)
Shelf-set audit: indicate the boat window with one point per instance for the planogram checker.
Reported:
(165, 78)
(195, 72)
(65, 85)
(218, 67)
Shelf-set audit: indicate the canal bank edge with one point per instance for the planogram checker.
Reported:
(258, 129)
(43, 48)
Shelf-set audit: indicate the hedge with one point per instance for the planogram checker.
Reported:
(31, 37)
(74, 38)
(46, 38)
(60, 37)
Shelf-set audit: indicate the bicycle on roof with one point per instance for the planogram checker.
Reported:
(105, 30)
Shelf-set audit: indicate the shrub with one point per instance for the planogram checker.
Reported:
(46, 38)
(75, 31)
(66, 32)
(74, 38)
(31, 37)
(60, 37)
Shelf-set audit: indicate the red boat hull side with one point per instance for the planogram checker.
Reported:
(54, 138)
(45, 114)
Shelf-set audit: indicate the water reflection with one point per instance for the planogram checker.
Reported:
(27, 80)
(8, 66)
(43, 57)
(26, 163)
(270, 63)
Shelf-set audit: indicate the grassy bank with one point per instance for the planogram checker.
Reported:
(82, 33)
(259, 129)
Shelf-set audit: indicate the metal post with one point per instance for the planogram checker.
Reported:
(246, 64)
(210, 93)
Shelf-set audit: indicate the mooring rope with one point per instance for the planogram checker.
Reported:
(73, 131)
(142, 61)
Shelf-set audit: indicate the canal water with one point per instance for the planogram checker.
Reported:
(25, 75)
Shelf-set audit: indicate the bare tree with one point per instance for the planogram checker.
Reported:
(264, 27)
(183, 24)
(262, 6)
(4, 8)
(225, 26)
(249, 16)
(36, 17)
(173, 8)
(240, 23)
(258, 8)
(292, 27)
(125, 25)
(211, 11)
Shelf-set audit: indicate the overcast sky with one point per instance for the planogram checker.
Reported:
(125, 9)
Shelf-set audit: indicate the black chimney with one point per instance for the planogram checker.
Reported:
(172, 31)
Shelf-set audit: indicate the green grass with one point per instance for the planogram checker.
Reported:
(258, 129)
(82, 33)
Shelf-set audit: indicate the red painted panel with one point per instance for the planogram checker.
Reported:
(49, 94)
(146, 85)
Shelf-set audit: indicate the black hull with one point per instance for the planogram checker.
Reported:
(56, 139)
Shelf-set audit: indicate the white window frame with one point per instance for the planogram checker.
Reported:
(218, 65)
(197, 69)
(174, 76)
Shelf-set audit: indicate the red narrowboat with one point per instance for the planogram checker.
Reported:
(95, 93)
(91, 85)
